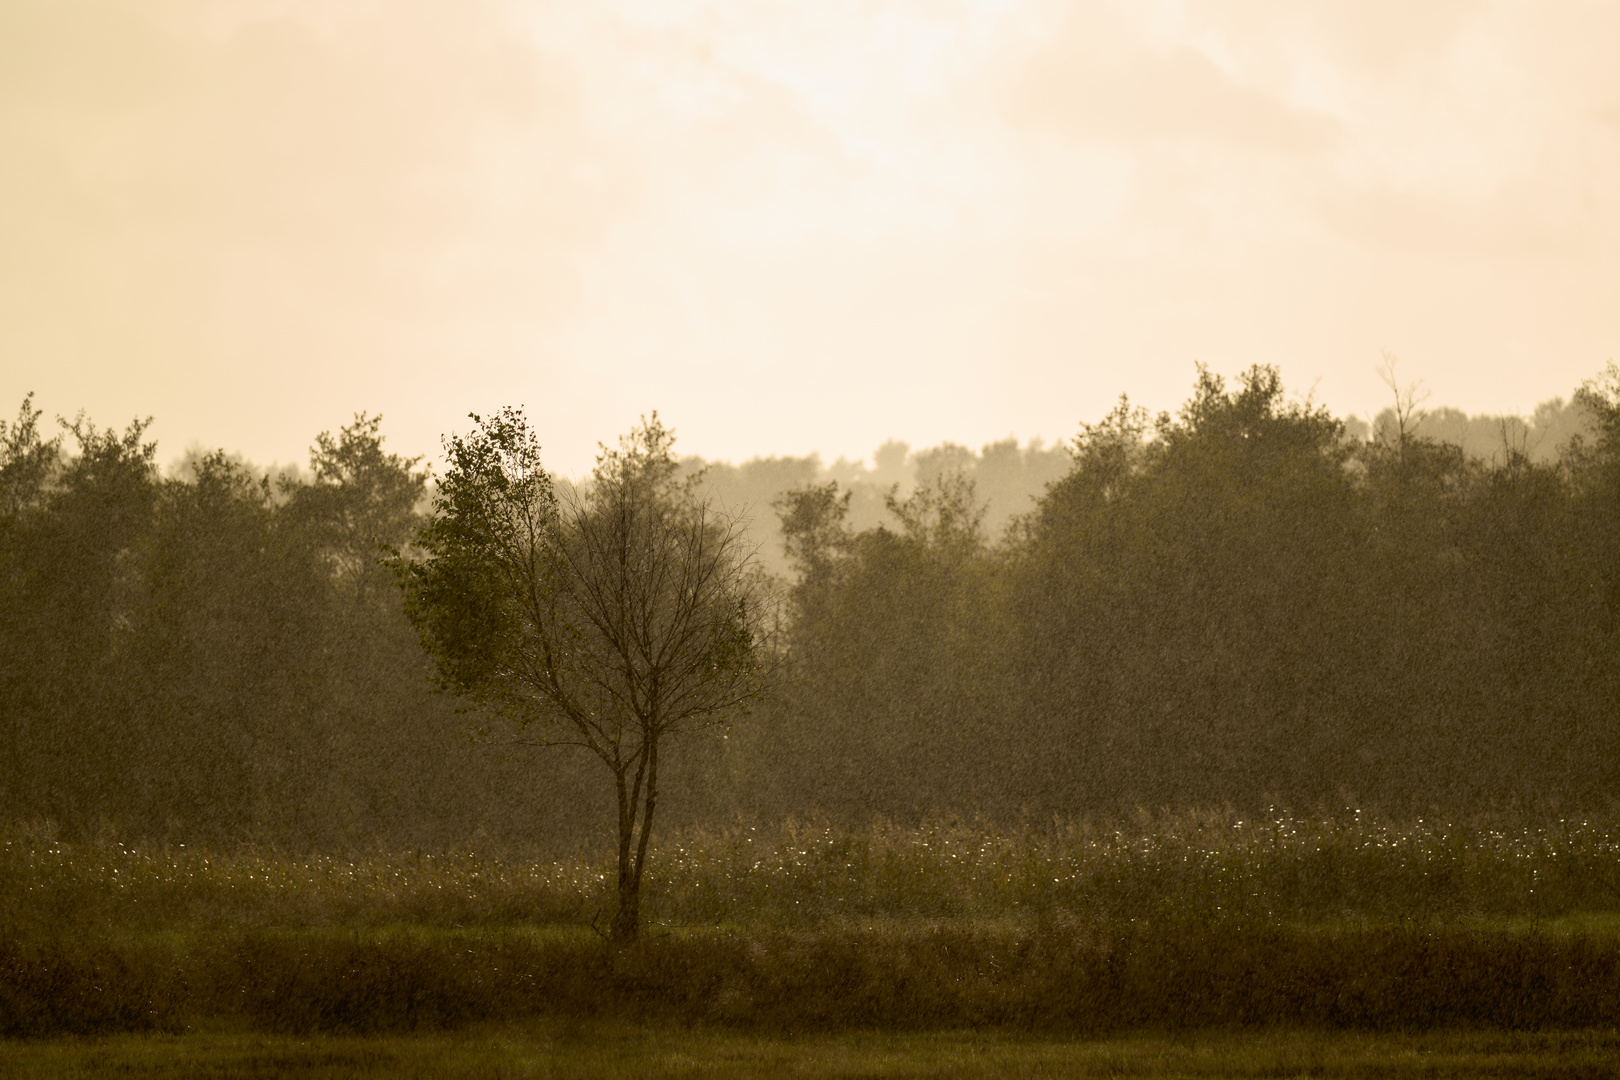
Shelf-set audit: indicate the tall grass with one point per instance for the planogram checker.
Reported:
(1202, 867)
(1216, 868)
(48, 885)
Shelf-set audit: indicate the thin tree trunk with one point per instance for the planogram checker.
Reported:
(627, 924)
(625, 919)
(647, 810)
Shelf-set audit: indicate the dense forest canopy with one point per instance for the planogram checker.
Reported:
(1248, 602)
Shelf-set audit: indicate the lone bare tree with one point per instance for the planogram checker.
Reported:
(621, 614)
(1408, 413)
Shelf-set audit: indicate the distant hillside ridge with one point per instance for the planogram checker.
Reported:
(1487, 437)
(1008, 480)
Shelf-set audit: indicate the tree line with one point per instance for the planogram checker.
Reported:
(1234, 605)
(217, 655)
(1237, 604)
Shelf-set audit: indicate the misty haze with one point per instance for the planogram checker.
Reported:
(719, 538)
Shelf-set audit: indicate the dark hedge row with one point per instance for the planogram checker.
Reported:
(1060, 977)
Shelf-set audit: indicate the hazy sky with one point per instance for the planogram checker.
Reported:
(793, 226)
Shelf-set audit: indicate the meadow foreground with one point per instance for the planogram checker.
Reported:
(1192, 945)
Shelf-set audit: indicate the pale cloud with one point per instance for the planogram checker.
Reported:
(1180, 96)
(246, 216)
(789, 226)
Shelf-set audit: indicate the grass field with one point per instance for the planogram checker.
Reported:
(1350, 868)
(551, 1049)
(1381, 948)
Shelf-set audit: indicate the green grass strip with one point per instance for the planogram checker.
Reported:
(615, 1050)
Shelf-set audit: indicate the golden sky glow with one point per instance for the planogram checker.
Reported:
(793, 226)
